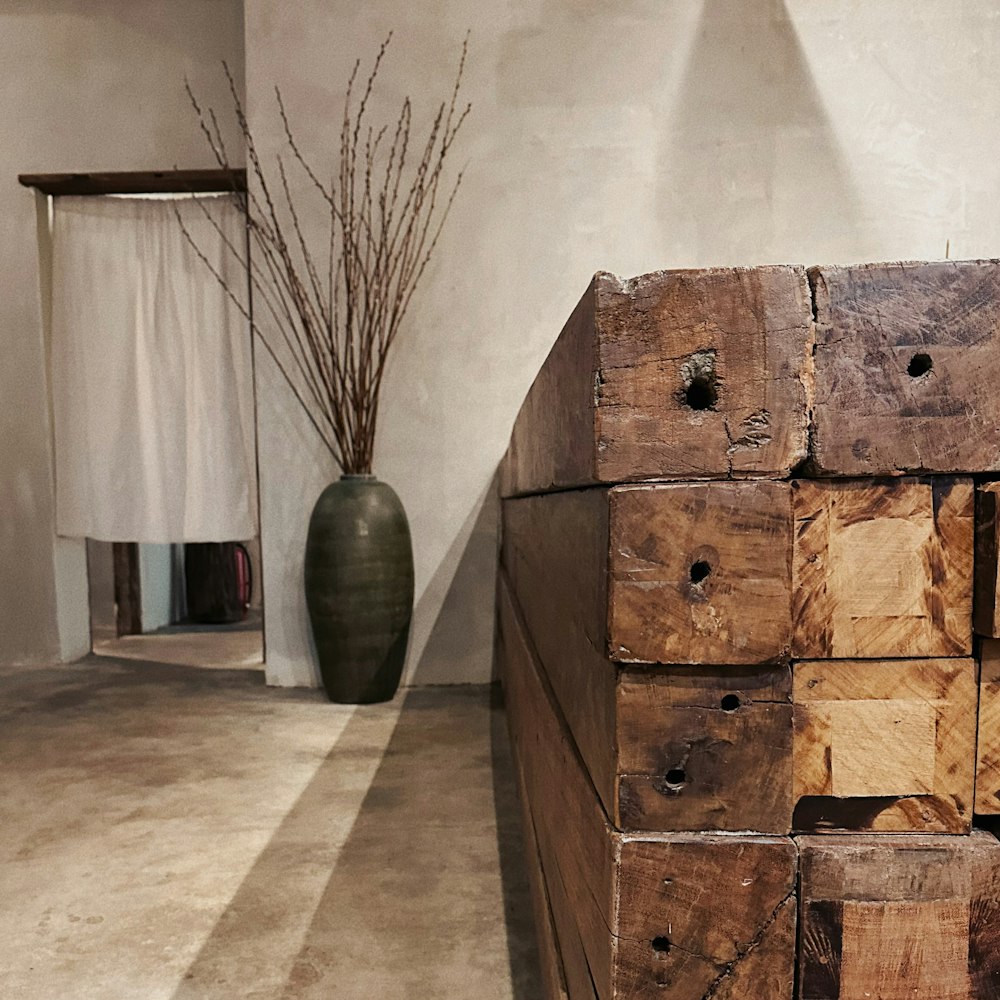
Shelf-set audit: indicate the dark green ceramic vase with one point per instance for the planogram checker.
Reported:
(359, 588)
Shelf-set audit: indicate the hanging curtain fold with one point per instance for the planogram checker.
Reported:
(151, 373)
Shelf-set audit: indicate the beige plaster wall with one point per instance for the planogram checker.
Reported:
(628, 136)
(86, 85)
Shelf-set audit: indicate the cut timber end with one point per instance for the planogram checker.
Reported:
(986, 599)
(704, 748)
(884, 745)
(988, 743)
(899, 918)
(706, 916)
(635, 726)
(882, 568)
(700, 573)
(907, 361)
(683, 375)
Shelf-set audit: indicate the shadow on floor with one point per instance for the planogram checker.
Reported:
(412, 905)
(114, 681)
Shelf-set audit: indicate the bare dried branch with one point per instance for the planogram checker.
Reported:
(380, 221)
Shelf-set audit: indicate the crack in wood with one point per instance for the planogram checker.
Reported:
(755, 941)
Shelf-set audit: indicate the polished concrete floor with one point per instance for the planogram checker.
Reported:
(173, 833)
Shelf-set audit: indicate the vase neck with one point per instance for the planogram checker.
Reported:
(358, 476)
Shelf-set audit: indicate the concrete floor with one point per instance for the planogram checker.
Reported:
(211, 648)
(172, 833)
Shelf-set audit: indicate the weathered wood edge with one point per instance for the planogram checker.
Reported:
(577, 432)
(599, 859)
(572, 656)
(811, 465)
(550, 952)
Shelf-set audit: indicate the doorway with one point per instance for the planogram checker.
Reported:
(154, 406)
(196, 605)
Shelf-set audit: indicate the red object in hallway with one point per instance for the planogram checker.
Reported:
(218, 582)
(244, 576)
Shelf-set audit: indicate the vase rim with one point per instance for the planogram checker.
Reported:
(358, 475)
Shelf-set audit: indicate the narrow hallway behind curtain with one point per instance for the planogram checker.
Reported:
(151, 373)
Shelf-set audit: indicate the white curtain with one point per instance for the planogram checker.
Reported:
(151, 373)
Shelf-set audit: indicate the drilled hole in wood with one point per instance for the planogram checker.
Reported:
(730, 703)
(699, 570)
(661, 946)
(920, 364)
(701, 393)
(675, 777)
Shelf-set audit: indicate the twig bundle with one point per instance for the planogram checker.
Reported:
(335, 310)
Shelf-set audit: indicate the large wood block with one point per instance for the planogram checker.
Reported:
(988, 742)
(700, 916)
(679, 573)
(882, 568)
(884, 745)
(667, 748)
(700, 573)
(671, 375)
(704, 748)
(906, 365)
(900, 918)
(986, 594)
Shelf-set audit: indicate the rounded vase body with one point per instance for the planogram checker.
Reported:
(359, 588)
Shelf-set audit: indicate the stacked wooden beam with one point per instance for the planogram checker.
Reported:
(736, 608)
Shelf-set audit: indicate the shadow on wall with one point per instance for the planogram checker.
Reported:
(752, 171)
(411, 904)
(460, 642)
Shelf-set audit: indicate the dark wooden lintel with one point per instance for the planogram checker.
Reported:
(140, 182)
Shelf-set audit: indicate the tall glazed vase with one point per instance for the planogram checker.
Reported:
(359, 588)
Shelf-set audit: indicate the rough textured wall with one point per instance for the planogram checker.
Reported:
(88, 85)
(626, 136)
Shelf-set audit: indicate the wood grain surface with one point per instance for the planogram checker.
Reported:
(884, 745)
(724, 924)
(988, 742)
(906, 365)
(579, 870)
(899, 917)
(667, 748)
(698, 374)
(882, 568)
(550, 950)
(985, 597)
(555, 554)
(698, 915)
(700, 573)
(705, 748)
